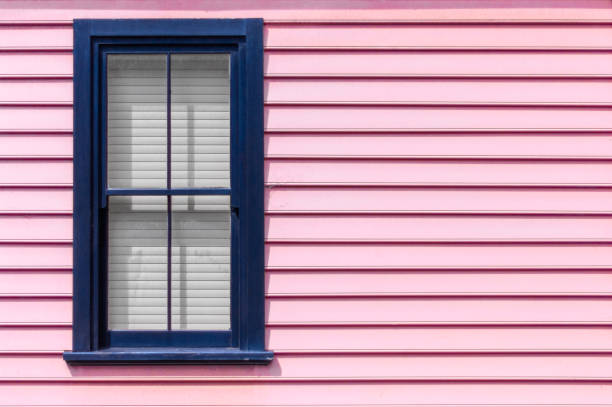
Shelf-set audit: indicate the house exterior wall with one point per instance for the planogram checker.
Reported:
(438, 202)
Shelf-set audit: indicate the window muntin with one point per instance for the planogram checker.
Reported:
(168, 127)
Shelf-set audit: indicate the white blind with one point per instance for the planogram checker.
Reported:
(136, 127)
(138, 226)
(200, 121)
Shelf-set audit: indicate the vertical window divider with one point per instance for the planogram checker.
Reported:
(169, 196)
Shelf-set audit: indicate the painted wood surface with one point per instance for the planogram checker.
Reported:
(438, 202)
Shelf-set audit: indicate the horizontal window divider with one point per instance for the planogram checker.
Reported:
(173, 191)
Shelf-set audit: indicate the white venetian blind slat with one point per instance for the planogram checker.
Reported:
(130, 260)
(135, 111)
(200, 112)
(200, 224)
(200, 233)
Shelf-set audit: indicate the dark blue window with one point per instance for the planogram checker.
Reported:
(168, 192)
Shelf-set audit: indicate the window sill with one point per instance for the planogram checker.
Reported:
(117, 356)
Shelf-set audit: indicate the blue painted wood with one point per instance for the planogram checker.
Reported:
(112, 356)
(174, 338)
(83, 173)
(253, 226)
(243, 40)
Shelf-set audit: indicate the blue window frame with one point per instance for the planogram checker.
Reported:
(93, 342)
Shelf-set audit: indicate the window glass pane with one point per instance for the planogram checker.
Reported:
(137, 262)
(136, 121)
(200, 120)
(200, 262)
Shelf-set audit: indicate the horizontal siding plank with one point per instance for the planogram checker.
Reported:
(35, 282)
(335, 366)
(35, 146)
(379, 339)
(432, 173)
(429, 282)
(433, 145)
(41, 90)
(38, 310)
(37, 228)
(438, 63)
(29, 338)
(439, 310)
(348, 118)
(347, 200)
(35, 172)
(47, 118)
(437, 91)
(439, 228)
(22, 256)
(491, 35)
(447, 339)
(360, 310)
(436, 255)
(35, 36)
(24, 200)
(324, 394)
(35, 63)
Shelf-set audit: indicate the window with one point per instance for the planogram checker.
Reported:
(168, 192)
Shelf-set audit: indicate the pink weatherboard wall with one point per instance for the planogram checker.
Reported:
(438, 207)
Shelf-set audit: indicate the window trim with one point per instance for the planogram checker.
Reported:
(91, 39)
